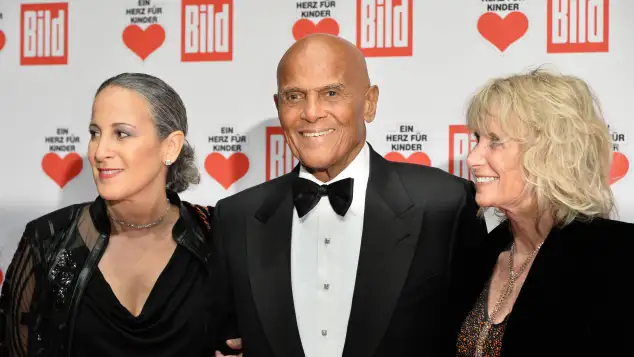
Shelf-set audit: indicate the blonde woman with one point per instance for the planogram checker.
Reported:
(553, 278)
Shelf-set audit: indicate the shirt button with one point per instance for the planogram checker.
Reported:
(326, 286)
(327, 241)
(324, 332)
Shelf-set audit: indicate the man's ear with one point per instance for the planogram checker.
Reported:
(371, 100)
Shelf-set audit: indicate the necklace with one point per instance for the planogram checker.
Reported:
(140, 226)
(502, 300)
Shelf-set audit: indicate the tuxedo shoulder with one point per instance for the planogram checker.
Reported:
(415, 171)
(430, 181)
(251, 198)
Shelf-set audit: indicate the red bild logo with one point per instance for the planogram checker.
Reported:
(207, 30)
(384, 27)
(461, 142)
(44, 34)
(279, 158)
(578, 26)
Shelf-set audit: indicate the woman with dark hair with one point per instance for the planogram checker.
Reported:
(126, 274)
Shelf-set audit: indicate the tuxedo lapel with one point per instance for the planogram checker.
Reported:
(268, 249)
(391, 228)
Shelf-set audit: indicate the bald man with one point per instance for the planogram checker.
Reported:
(349, 254)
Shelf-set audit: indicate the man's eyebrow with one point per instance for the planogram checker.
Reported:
(338, 86)
(333, 86)
(292, 89)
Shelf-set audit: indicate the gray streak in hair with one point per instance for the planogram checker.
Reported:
(169, 115)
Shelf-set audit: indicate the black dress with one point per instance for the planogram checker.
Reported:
(175, 320)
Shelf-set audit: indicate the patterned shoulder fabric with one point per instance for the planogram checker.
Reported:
(203, 213)
(24, 279)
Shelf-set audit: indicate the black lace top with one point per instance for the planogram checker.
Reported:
(47, 280)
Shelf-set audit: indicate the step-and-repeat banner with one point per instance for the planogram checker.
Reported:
(427, 56)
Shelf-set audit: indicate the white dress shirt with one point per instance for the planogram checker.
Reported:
(324, 255)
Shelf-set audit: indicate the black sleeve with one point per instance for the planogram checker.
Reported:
(470, 233)
(228, 324)
(16, 298)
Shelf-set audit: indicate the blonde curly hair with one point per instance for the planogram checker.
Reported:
(565, 145)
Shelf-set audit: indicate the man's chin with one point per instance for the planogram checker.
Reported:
(316, 163)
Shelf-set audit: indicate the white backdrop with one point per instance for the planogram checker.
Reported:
(427, 56)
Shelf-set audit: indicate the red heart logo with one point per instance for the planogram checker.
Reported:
(143, 42)
(306, 27)
(620, 167)
(419, 158)
(62, 170)
(502, 32)
(3, 40)
(227, 170)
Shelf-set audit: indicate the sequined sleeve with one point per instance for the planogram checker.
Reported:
(16, 296)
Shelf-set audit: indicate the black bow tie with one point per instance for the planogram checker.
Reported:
(306, 195)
